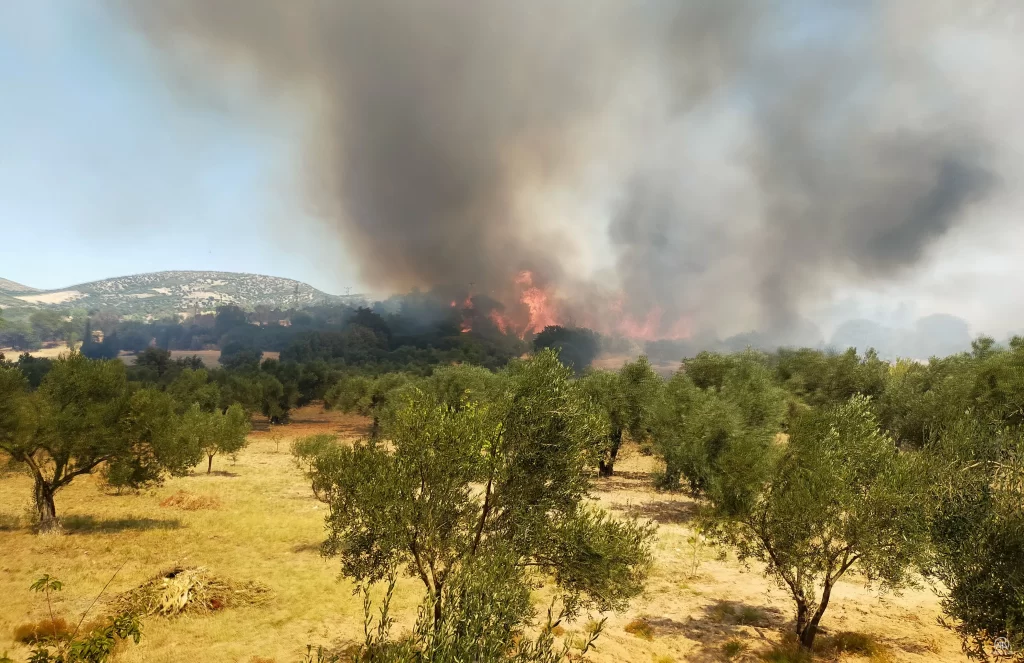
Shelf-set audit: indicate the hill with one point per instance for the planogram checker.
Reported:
(11, 286)
(166, 293)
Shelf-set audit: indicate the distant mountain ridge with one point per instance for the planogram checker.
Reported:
(165, 293)
(11, 286)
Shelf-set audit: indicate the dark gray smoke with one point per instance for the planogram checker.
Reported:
(750, 155)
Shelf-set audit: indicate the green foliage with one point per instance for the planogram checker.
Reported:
(212, 433)
(576, 347)
(274, 399)
(92, 644)
(627, 398)
(494, 489)
(701, 431)
(240, 356)
(34, 369)
(151, 426)
(455, 386)
(47, 324)
(193, 387)
(484, 623)
(84, 415)
(818, 379)
(839, 494)
(158, 359)
(367, 396)
(318, 457)
(19, 335)
(978, 532)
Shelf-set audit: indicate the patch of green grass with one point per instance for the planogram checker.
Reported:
(641, 628)
(733, 648)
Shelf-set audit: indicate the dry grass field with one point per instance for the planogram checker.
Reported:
(256, 520)
(211, 358)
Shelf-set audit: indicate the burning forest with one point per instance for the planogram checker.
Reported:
(653, 170)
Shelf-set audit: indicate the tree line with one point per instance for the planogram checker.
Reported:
(476, 481)
(815, 464)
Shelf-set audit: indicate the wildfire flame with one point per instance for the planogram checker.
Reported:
(542, 313)
(536, 307)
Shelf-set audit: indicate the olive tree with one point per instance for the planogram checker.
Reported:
(367, 396)
(84, 416)
(839, 495)
(711, 406)
(978, 531)
(693, 427)
(627, 398)
(214, 432)
(502, 482)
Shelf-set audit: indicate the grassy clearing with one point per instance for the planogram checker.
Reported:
(256, 521)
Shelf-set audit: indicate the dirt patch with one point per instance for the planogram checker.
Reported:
(312, 419)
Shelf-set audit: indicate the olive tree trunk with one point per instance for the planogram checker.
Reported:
(606, 465)
(46, 510)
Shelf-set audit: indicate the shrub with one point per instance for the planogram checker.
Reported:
(91, 643)
(733, 648)
(48, 628)
(641, 628)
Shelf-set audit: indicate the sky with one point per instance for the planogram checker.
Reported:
(107, 170)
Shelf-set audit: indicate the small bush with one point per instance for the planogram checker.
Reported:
(45, 629)
(641, 628)
(55, 641)
(733, 648)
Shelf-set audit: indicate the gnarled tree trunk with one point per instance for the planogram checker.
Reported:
(807, 631)
(606, 465)
(46, 510)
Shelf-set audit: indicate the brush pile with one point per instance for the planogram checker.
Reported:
(190, 502)
(194, 590)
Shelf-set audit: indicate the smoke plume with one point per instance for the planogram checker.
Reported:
(699, 164)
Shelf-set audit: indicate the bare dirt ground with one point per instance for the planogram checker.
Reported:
(265, 525)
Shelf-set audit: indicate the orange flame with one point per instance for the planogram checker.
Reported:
(542, 312)
(500, 322)
(539, 307)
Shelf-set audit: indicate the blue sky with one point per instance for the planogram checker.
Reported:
(105, 171)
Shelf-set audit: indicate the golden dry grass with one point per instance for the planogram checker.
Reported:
(267, 529)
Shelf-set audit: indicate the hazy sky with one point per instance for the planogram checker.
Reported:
(104, 172)
(107, 169)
